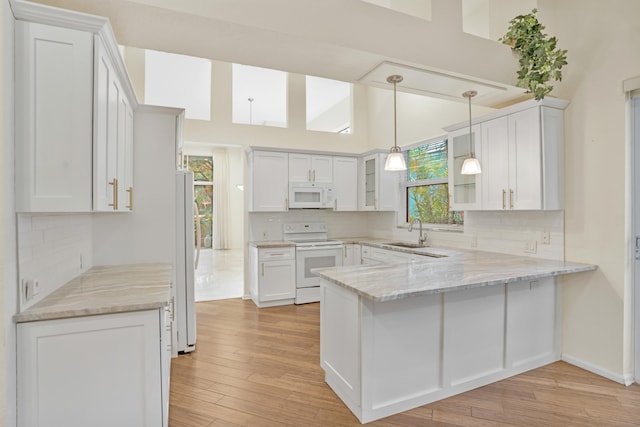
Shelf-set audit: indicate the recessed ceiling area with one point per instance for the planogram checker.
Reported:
(421, 81)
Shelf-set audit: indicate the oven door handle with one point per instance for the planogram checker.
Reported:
(318, 248)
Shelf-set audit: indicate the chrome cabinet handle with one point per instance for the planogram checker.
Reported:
(510, 199)
(314, 175)
(504, 195)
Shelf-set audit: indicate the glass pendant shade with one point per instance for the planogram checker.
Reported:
(395, 159)
(471, 166)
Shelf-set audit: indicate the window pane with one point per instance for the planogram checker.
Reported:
(430, 204)
(428, 161)
(182, 81)
(201, 166)
(204, 199)
(328, 105)
(259, 96)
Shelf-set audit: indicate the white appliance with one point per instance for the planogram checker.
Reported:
(313, 250)
(310, 195)
(184, 308)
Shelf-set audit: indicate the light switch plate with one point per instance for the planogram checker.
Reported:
(530, 247)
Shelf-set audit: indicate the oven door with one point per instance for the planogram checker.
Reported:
(308, 257)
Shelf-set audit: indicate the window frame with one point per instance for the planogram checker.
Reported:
(402, 214)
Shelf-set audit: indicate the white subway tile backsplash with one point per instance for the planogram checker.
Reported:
(49, 250)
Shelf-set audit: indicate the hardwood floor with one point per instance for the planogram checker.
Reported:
(260, 367)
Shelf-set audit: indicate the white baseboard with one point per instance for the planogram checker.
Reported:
(626, 379)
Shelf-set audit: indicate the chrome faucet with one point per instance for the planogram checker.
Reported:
(422, 239)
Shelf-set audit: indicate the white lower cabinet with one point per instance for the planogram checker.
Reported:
(273, 276)
(352, 254)
(105, 370)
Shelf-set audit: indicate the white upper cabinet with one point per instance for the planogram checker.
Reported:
(521, 152)
(378, 188)
(54, 96)
(345, 182)
(269, 178)
(516, 149)
(310, 168)
(465, 191)
(112, 139)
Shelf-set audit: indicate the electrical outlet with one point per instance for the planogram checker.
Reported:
(546, 238)
(530, 247)
(81, 261)
(31, 288)
(264, 235)
(36, 287)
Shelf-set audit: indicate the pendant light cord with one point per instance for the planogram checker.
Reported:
(395, 119)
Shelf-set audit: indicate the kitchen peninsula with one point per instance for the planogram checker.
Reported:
(397, 336)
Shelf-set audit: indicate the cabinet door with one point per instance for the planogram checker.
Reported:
(525, 160)
(277, 280)
(495, 164)
(352, 254)
(54, 98)
(345, 182)
(113, 138)
(369, 183)
(270, 181)
(388, 184)
(299, 167)
(322, 169)
(90, 371)
(465, 190)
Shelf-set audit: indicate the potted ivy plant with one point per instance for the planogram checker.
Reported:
(540, 59)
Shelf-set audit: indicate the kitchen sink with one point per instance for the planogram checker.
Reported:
(406, 245)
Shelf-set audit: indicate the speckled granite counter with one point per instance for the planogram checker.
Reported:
(459, 269)
(104, 290)
(272, 244)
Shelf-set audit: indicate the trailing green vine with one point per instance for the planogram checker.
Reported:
(540, 59)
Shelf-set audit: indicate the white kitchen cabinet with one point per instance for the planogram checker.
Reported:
(523, 157)
(54, 105)
(273, 276)
(378, 188)
(345, 183)
(465, 191)
(112, 139)
(352, 254)
(104, 370)
(269, 178)
(310, 168)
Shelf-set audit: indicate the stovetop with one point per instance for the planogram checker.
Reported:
(308, 234)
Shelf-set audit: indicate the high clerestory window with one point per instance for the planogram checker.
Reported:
(182, 81)
(328, 105)
(426, 187)
(259, 96)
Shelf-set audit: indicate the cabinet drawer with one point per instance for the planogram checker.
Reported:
(270, 254)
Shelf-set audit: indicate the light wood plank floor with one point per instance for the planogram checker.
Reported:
(261, 368)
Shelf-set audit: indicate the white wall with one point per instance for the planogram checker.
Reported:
(602, 44)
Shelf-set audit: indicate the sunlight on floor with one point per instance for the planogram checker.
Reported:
(220, 274)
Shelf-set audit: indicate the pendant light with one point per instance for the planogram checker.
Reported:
(395, 158)
(471, 165)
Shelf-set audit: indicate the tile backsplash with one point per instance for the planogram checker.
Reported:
(538, 234)
(52, 249)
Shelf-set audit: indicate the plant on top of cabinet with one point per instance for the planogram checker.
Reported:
(540, 59)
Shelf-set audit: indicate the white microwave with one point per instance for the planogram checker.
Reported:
(307, 195)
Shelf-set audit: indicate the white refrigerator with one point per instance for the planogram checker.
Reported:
(185, 266)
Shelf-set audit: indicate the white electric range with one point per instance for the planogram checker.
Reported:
(313, 250)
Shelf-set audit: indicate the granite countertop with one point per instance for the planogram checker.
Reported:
(271, 243)
(459, 269)
(105, 290)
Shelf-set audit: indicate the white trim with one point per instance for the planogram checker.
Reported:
(622, 379)
(631, 84)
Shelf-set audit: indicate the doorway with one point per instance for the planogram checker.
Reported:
(219, 204)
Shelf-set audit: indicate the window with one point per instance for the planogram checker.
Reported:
(259, 96)
(328, 105)
(202, 168)
(179, 81)
(426, 189)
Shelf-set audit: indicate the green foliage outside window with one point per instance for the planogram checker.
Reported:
(427, 185)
